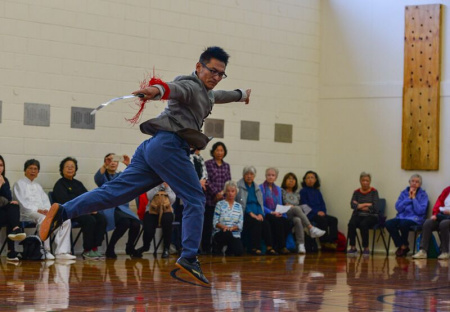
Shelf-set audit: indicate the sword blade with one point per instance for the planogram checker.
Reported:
(113, 100)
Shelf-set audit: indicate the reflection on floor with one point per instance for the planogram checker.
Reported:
(315, 282)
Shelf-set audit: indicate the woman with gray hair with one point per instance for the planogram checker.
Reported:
(411, 209)
(278, 221)
(228, 222)
(256, 225)
(365, 213)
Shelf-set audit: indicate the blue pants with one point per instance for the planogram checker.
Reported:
(394, 226)
(164, 157)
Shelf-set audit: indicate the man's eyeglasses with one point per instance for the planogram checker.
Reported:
(214, 72)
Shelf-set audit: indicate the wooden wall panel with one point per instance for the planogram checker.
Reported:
(421, 82)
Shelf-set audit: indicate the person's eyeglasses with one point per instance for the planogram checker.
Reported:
(214, 72)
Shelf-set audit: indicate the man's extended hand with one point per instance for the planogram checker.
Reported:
(148, 92)
(248, 91)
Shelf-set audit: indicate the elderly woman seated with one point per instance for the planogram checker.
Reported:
(93, 225)
(278, 221)
(439, 221)
(365, 213)
(9, 214)
(228, 222)
(34, 205)
(250, 197)
(411, 208)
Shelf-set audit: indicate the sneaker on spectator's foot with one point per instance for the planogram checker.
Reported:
(53, 220)
(48, 256)
(352, 251)
(89, 255)
(98, 254)
(284, 251)
(192, 268)
(17, 235)
(366, 252)
(12, 256)
(165, 253)
(316, 232)
(443, 256)
(301, 249)
(421, 254)
(65, 256)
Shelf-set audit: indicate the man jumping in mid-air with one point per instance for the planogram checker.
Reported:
(165, 156)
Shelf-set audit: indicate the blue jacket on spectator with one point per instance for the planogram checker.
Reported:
(412, 209)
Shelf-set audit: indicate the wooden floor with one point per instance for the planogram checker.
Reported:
(315, 282)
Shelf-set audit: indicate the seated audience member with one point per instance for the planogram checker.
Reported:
(278, 222)
(251, 200)
(228, 222)
(411, 208)
(200, 168)
(93, 225)
(310, 195)
(365, 213)
(34, 205)
(218, 173)
(158, 212)
(120, 218)
(439, 221)
(9, 214)
(295, 214)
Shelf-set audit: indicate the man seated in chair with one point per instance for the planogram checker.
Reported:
(34, 205)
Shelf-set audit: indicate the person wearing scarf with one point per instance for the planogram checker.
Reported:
(278, 222)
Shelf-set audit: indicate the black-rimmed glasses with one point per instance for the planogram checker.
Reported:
(214, 72)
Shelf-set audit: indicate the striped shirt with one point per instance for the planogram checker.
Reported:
(228, 217)
(371, 196)
(199, 165)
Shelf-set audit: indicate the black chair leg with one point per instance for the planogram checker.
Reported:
(74, 242)
(384, 241)
(373, 240)
(4, 243)
(389, 245)
(139, 236)
(359, 243)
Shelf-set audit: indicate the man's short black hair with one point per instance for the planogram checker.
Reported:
(214, 52)
(31, 162)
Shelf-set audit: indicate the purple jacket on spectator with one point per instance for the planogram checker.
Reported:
(217, 176)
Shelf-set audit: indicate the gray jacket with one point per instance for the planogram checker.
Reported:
(188, 105)
(241, 197)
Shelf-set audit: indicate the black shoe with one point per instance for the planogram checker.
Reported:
(52, 221)
(12, 256)
(130, 251)
(405, 251)
(165, 253)
(139, 252)
(193, 269)
(110, 254)
(17, 235)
